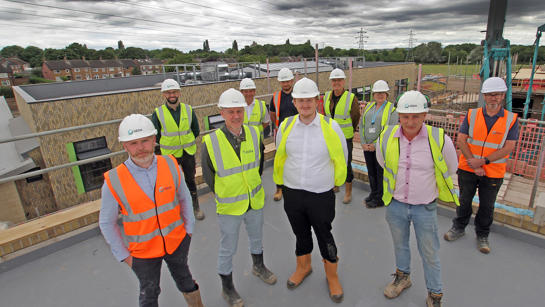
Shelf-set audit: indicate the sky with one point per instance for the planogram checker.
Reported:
(184, 25)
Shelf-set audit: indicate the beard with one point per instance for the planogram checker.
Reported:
(143, 159)
(172, 100)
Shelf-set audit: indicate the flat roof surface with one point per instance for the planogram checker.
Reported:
(86, 274)
(56, 90)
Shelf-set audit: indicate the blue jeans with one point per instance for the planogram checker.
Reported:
(424, 218)
(230, 227)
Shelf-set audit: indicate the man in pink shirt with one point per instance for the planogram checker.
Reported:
(418, 162)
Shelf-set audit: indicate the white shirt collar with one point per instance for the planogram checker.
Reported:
(314, 122)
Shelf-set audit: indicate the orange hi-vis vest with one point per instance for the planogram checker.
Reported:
(482, 143)
(276, 100)
(152, 229)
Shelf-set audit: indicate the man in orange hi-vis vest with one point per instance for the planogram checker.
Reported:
(282, 107)
(155, 205)
(487, 136)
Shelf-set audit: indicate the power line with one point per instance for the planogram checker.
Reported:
(410, 53)
(361, 40)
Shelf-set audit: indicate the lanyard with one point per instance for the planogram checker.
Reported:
(378, 111)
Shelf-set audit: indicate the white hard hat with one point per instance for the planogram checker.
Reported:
(285, 74)
(169, 84)
(247, 84)
(231, 98)
(305, 88)
(493, 84)
(380, 86)
(135, 126)
(337, 74)
(412, 102)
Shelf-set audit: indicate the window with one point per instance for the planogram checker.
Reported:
(34, 178)
(78, 77)
(97, 76)
(87, 77)
(67, 70)
(76, 69)
(86, 69)
(5, 83)
(56, 71)
(92, 174)
(95, 69)
(103, 69)
(111, 69)
(104, 76)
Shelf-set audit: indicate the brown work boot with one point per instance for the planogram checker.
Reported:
(434, 299)
(302, 270)
(193, 299)
(401, 282)
(347, 193)
(454, 234)
(335, 289)
(482, 245)
(278, 194)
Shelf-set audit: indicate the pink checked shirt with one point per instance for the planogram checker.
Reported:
(415, 179)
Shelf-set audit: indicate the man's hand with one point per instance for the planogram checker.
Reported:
(475, 163)
(128, 261)
(371, 147)
(480, 172)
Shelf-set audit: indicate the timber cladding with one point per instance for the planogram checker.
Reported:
(57, 114)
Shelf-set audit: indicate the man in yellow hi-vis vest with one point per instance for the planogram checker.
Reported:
(310, 160)
(177, 127)
(418, 162)
(230, 159)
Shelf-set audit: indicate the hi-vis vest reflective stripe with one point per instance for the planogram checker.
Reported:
(387, 111)
(276, 100)
(258, 115)
(342, 112)
(175, 139)
(482, 144)
(333, 143)
(389, 146)
(152, 229)
(237, 182)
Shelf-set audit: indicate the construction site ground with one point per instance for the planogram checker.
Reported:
(82, 271)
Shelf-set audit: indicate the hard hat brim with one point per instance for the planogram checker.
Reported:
(137, 136)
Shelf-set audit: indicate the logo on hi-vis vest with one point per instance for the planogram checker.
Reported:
(495, 132)
(248, 151)
(162, 189)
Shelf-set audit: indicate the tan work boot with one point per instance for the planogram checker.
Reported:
(401, 282)
(193, 299)
(434, 300)
(335, 289)
(347, 193)
(278, 194)
(302, 270)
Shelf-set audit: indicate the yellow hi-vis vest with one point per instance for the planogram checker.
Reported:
(176, 139)
(389, 146)
(332, 140)
(342, 112)
(388, 110)
(237, 183)
(257, 117)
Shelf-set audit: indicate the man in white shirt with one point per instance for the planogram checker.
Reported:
(310, 160)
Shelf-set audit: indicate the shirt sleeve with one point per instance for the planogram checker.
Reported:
(340, 133)
(208, 173)
(195, 124)
(157, 125)
(513, 134)
(272, 108)
(378, 153)
(450, 156)
(355, 113)
(464, 126)
(186, 205)
(107, 221)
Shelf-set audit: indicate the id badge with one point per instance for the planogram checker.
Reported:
(372, 130)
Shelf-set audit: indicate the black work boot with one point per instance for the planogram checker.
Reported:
(260, 270)
(228, 291)
(199, 215)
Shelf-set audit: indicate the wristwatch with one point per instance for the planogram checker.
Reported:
(486, 161)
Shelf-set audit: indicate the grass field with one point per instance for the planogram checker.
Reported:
(443, 69)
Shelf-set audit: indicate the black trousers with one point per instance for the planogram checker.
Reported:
(306, 210)
(349, 172)
(148, 272)
(187, 162)
(488, 191)
(375, 174)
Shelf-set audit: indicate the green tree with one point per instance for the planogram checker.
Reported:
(475, 55)
(32, 55)
(11, 51)
(181, 59)
(136, 71)
(287, 41)
(120, 45)
(328, 52)
(76, 51)
(235, 46)
(205, 46)
(133, 53)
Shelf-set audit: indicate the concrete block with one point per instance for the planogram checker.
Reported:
(539, 215)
